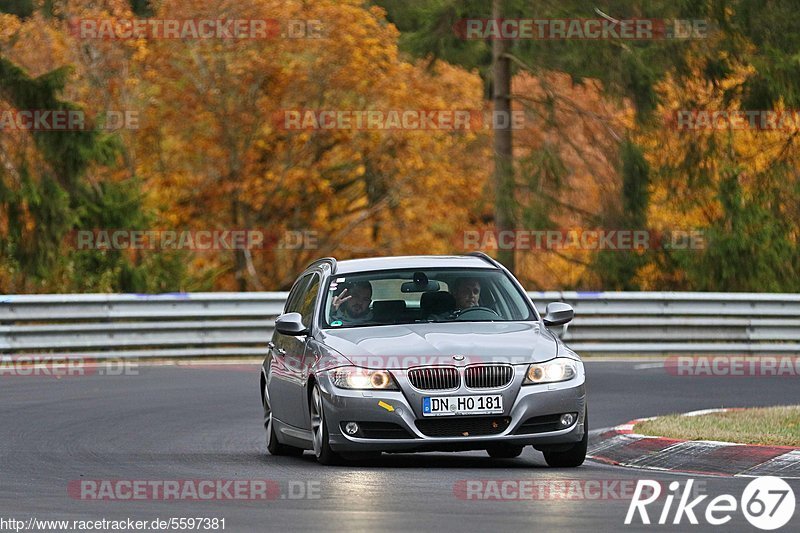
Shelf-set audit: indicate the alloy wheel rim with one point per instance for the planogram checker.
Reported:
(316, 421)
(267, 416)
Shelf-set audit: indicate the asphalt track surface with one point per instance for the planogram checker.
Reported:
(202, 423)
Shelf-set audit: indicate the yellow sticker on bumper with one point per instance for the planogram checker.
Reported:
(386, 406)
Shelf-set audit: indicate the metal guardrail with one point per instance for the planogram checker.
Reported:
(240, 324)
(139, 325)
(680, 322)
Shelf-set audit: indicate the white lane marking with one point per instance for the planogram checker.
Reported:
(645, 366)
(705, 412)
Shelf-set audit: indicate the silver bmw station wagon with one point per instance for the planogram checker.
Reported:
(422, 353)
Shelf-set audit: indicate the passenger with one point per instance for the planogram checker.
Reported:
(351, 306)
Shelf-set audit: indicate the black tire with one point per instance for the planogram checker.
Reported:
(504, 451)
(319, 431)
(573, 456)
(274, 447)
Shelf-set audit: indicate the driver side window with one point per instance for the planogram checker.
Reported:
(307, 300)
(295, 297)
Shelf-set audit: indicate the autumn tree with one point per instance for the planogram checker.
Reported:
(223, 159)
(53, 183)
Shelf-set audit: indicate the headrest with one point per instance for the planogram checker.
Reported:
(388, 309)
(434, 303)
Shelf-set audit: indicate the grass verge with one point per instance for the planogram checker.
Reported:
(777, 426)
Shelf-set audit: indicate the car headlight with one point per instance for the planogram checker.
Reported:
(351, 377)
(558, 369)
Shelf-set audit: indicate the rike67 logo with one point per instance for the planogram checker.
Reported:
(767, 503)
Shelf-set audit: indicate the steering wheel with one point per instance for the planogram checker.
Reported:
(461, 312)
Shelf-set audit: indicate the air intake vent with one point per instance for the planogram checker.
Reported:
(463, 426)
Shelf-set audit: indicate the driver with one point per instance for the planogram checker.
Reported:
(467, 292)
(352, 305)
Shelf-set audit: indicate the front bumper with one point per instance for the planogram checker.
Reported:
(521, 403)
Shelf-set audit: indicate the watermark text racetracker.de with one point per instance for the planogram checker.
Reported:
(580, 29)
(397, 363)
(733, 366)
(734, 119)
(549, 489)
(41, 120)
(62, 366)
(189, 28)
(621, 239)
(192, 489)
(193, 240)
(452, 120)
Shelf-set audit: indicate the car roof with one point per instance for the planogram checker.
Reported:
(350, 266)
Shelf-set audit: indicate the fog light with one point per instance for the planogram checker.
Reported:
(567, 419)
(351, 428)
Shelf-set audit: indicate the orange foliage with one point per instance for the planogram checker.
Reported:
(584, 129)
(222, 160)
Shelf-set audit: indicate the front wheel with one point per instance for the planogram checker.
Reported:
(319, 431)
(573, 456)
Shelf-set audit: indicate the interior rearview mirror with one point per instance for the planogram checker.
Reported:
(412, 286)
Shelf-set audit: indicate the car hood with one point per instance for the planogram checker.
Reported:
(410, 345)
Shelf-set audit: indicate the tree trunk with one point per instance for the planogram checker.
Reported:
(240, 260)
(503, 155)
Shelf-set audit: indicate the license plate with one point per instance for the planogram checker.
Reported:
(488, 404)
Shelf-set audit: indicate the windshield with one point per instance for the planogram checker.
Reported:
(432, 295)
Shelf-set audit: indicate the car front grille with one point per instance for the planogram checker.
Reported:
(434, 378)
(463, 426)
(488, 376)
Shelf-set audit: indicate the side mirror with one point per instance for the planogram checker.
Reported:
(558, 314)
(291, 324)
